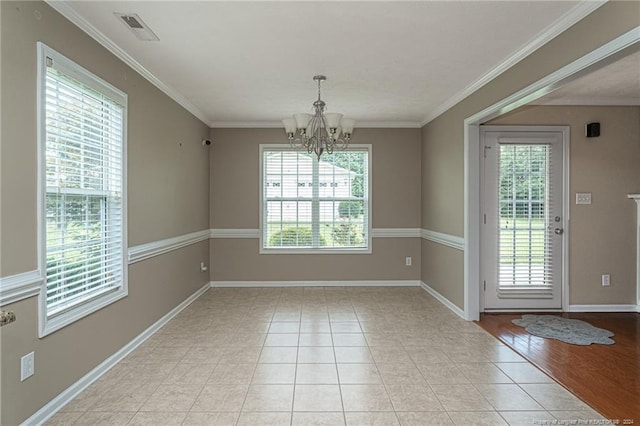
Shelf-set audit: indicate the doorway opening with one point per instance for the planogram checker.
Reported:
(524, 230)
(618, 48)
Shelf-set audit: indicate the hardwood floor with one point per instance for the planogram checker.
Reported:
(607, 377)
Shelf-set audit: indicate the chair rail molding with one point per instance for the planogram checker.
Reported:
(155, 248)
(20, 286)
(232, 233)
(395, 233)
(448, 240)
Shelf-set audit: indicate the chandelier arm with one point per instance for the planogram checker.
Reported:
(318, 137)
(330, 148)
(344, 142)
(328, 139)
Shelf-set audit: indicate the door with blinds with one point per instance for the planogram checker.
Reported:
(523, 217)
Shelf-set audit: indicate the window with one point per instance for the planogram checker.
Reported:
(82, 178)
(315, 206)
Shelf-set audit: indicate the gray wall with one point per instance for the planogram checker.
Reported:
(235, 187)
(168, 188)
(443, 138)
(174, 189)
(602, 238)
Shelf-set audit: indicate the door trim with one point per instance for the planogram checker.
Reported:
(604, 55)
(566, 212)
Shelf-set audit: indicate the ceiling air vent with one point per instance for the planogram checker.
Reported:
(137, 26)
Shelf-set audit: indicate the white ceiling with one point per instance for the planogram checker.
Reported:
(615, 84)
(392, 63)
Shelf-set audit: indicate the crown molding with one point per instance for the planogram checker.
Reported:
(388, 125)
(246, 125)
(577, 13)
(278, 125)
(564, 75)
(574, 15)
(589, 101)
(78, 20)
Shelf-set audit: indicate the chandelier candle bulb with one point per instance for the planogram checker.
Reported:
(320, 131)
(333, 119)
(302, 120)
(289, 126)
(347, 125)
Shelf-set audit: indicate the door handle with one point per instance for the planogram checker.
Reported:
(558, 231)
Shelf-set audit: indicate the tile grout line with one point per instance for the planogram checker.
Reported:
(429, 384)
(384, 385)
(233, 324)
(295, 375)
(335, 359)
(256, 365)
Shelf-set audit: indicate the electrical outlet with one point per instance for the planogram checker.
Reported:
(407, 261)
(606, 280)
(27, 366)
(583, 198)
(203, 267)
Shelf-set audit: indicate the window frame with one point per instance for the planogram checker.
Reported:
(49, 324)
(319, 250)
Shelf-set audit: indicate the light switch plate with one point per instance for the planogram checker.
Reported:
(583, 198)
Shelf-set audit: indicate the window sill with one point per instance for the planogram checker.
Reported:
(365, 250)
(51, 325)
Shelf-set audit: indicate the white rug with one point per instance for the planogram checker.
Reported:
(567, 330)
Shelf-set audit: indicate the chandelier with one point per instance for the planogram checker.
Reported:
(320, 131)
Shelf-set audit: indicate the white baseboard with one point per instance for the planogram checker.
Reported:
(522, 310)
(604, 308)
(347, 283)
(53, 406)
(446, 302)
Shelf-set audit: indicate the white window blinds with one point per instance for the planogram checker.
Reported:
(525, 244)
(83, 136)
(311, 204)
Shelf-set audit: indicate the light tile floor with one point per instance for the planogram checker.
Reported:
(322, 356)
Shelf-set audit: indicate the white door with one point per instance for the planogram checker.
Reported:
(523, 219)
